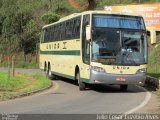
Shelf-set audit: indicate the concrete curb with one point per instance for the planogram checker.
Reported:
(32, 92)
(152, 82)
(36, 91)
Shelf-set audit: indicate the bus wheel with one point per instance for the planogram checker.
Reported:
(81, 84)
(49, 73)
(45, 67)
(123, 87)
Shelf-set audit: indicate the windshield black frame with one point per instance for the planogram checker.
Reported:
(121, 20)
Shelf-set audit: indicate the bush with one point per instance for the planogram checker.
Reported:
(50, 17)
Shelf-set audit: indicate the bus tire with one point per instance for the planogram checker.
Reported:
(49, 73)
(81, 84)
(45, 67)
(124, 87)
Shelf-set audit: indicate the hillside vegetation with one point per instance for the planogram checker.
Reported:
(154, 62)
(21, 22)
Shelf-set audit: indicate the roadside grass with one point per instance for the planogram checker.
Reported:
(20, 85)
(157, 92)
(154, 63)
(28, 65)
(22, 64)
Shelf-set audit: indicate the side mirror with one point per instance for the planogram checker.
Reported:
(88, 32)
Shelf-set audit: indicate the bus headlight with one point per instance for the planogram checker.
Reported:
(144, 70)
(98, 69)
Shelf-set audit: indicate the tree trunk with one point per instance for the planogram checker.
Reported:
(1, 58)
(24, 54)
(37, 48)
(50, 4)
(9, 66)
(91, 4)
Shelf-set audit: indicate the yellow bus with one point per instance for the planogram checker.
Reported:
(96, 47)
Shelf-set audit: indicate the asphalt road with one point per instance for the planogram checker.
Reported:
(66, 98)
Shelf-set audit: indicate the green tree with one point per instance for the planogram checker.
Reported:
(50, 17)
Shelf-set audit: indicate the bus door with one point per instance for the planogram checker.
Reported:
(85, 50)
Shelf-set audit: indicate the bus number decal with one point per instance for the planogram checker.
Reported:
(64, 43)
(53, 46)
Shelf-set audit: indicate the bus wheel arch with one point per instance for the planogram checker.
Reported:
(45, 66)
(49, 72)
(76, 71)
(81, 84)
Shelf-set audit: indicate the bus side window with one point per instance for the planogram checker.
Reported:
(60, 32)
(50, 35)
(46, 35)
(76, 28)
(63, 31)
(53, 33)
(85, 43)
(43, 36)
(56, 33)
(69, 29)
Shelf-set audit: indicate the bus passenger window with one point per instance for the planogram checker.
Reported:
(76, 28)
(46, 35)
(56, 33)
(85, 43)
(69, 26)
(53, 33)
(60, 32)
(43, 36)
(50, 35)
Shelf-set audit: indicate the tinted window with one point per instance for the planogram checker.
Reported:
(76, 28)
(43, 36)
(63, 31)
(69, 26)
(85, 43)
(47, 35)
(128, 22)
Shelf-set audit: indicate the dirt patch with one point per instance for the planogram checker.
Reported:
(15, 93)
(29, 86)
(73, 4)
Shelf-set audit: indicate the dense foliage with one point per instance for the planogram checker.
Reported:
(21, 20)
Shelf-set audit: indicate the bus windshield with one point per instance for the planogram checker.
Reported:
(119, 40)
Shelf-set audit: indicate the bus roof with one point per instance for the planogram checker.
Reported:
(90, 12)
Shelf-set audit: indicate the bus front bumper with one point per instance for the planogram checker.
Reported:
(117, 79)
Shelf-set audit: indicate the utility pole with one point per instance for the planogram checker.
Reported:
(13, 66)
